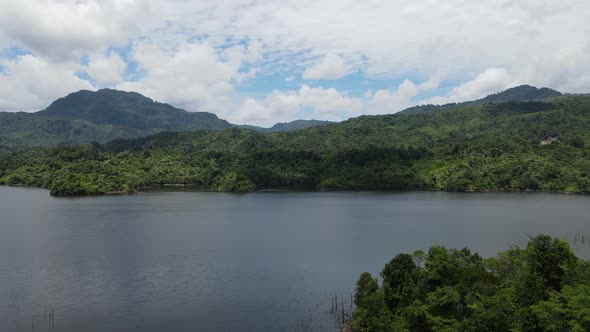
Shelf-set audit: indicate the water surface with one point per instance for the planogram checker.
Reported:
(267, 261)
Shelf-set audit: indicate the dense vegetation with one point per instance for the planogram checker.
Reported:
(26, 129)
(544, 287)
(531, 145)
(288, 126)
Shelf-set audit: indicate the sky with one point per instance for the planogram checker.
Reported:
(262, 62)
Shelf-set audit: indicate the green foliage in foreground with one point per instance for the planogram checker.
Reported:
(484, 147)
(544, 287)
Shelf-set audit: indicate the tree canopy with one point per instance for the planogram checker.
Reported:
(543, 287)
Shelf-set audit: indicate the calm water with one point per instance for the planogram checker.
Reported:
(196, 261)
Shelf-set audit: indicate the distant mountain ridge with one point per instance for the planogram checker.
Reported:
(531, 145)
(522, 93)
(288, 126)
(518, 93)
(129, 109)
(100, 116)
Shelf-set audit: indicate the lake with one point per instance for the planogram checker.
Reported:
(265, 261)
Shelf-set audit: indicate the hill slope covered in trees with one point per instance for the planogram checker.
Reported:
(531, 145)
(288, 126)
(518, 93)
(128, 109)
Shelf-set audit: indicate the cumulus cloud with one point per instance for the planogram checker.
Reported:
(489, 81)
(332, 67)
(63, 30)
(197, 54)
(195, 76)
(106, 70)
(30, 83)
(392, 39)
(391, 101)
(308, 102)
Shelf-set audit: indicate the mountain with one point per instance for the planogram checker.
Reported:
(532, 145)
(288, 126)
(86, 116)
(104, 115)
(129, 109)
(519, 93)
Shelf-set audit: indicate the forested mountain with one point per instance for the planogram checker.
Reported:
(522, 93)
(288, 126)
(26, 129)
(85, 116)
(129, 109)
(528, 145)
(519, 93)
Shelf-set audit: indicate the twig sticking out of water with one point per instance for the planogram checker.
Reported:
(52, 317)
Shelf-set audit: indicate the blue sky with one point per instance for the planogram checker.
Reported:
(261, 62)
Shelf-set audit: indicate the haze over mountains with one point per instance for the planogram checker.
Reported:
(101, 116)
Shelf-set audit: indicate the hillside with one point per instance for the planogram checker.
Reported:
(529, 145)
(26, 129)
(288, 126)
(519, 93)
(129, 109)
(85, 116)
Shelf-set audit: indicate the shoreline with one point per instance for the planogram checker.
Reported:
(204, 188)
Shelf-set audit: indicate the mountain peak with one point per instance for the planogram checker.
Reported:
(522, 93)
(129, 109)
(517, 93)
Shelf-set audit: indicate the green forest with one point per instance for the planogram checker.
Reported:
(543, 287)
(540, 145)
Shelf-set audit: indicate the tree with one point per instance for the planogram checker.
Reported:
(400, 278)
(365, 286)
(549, 258)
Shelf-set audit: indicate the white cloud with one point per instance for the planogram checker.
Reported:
(308, 102)
(387, 101)
(332, 67)
(490, 81)
(64, 30)
(106, 70)
(195, 54)
(327, 103)
(394, 39)
(30, 83)
(194, 76)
